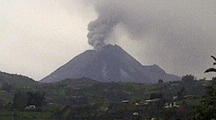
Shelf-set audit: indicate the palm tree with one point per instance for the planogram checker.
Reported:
(211, 69)
(207, 108)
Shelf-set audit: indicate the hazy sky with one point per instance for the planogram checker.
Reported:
(38, 36)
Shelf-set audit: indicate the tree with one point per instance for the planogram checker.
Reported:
(180, 93)
(160, 81)
(36, 98)
(207, 108)
(22, 99)
(7, 87)
(214, 80)
(156, 95)
(211, 69)
(188, 79)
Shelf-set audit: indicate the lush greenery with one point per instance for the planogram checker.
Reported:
(206, 110)
(85, 98)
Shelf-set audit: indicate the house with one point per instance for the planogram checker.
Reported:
(136, 103)
(175, 105)
(125, 101)
(171, 105)
(175, 97)
(135, 113)
(153, 100)
(30, 107)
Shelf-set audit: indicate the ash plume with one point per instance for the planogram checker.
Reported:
(101, 28)
(168, 30)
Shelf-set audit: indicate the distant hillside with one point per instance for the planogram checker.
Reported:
(74, 91)
(15, 80)
(110, 63)
(74, 82)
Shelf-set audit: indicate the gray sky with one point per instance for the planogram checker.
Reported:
(38, 36)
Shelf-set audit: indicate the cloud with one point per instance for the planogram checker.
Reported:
(177, 35)
(38, 36)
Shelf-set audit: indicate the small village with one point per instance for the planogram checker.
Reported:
(89, 99)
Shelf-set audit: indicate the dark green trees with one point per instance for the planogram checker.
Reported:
(35, 98)
(188, 79)
(23, 99)
(20, 100)
(160, 81)
(7, 87)
(156, 96)
(207, 108)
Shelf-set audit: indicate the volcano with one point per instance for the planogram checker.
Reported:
(109, 63)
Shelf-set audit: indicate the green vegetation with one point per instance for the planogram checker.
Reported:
(25, 115)
(85, 98)
(207, 108)
(15, 80)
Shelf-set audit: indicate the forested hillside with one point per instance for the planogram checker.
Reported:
(15, 80)
(99, 100)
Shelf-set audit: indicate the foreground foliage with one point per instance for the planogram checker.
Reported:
(89, 99)
(206, 110)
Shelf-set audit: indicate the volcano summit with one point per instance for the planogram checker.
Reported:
(109, 63)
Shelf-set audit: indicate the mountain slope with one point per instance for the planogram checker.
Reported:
(15, 80)
(110, 63)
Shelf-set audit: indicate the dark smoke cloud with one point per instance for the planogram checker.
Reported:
(181, 34)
